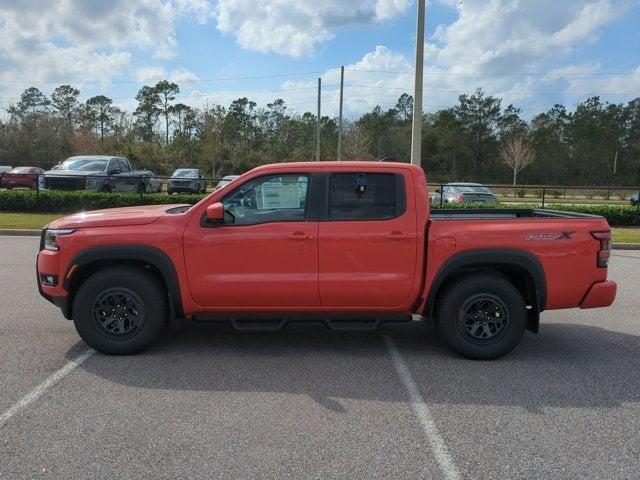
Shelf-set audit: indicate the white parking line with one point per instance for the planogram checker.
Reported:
(421, 411)
(38, 391)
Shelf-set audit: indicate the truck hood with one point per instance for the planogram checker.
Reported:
(73, 173)
(114, 217)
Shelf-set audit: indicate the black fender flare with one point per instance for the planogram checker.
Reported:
(144, 253)
(493, 258)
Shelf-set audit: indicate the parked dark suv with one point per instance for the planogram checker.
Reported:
(98, 173)
(186, 180)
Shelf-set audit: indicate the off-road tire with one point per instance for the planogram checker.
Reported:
(506, 306)
(151, 306)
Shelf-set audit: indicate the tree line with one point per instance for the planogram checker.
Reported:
(598, 143)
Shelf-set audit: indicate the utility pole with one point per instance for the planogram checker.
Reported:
(416, 135)
(340, 121)
(318, 125)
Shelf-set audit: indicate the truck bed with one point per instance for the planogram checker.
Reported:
(502, 214)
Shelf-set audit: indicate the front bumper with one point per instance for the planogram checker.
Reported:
(600, 294)
(47, 264)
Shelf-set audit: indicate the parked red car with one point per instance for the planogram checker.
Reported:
(25, 177)
(343, 243)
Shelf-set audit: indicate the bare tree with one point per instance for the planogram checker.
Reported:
(517, 154)
(356, 145)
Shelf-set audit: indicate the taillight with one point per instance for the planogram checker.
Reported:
(605, 248)
(459, 198)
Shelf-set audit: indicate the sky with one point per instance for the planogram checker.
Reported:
(531, 53)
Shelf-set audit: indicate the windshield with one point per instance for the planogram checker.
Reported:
(83, 165)
(182, 173)
(20, 170)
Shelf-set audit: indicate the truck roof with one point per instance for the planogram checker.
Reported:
(334, 163)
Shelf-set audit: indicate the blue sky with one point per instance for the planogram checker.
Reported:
(533, 53)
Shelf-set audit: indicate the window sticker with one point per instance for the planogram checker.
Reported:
(275, 195)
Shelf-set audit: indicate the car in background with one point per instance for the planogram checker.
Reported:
(97, 173)
(22, 177)
(226, 180)
(4, 169)
(186, 180)
(150, 182)
(635, 199)
(463, 192)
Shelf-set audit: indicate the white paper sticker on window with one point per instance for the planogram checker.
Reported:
(276, 195)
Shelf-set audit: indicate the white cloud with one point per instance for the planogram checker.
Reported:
(151, 75)
(182, 75)
(516, 36)
(295, 27)
(201, 10)
(363, 88)
(82, 40)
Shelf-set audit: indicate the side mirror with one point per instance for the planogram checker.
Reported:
(114, 171)
(215, 212)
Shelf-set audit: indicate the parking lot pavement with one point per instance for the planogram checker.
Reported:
(305, 403)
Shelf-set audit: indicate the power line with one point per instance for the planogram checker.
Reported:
(497, 74)
(408, 89)
(138, 82)
(325, 71)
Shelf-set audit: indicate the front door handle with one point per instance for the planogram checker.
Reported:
(398, 236)
(299, 236)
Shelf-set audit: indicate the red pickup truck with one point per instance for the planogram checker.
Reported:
(350, 244)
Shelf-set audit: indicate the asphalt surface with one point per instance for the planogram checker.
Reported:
(305, 403)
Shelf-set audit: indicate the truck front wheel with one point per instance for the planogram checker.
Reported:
(482, 316)
(120, 310)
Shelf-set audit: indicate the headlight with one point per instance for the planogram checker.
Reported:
(50, 237)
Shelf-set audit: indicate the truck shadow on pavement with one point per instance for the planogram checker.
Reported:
(566, 365)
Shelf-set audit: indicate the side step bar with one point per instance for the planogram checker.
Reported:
(275, 323)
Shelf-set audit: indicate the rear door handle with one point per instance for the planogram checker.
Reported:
(299, 236)
(398, 236)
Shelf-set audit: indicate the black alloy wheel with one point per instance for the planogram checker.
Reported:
(118, 313)
(483, 318)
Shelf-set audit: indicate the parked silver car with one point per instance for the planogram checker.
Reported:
(150, 181)
(634, 199)
(186, 180)
(463, 192)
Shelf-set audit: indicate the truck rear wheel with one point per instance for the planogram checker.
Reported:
(120, 310)
(482, 316)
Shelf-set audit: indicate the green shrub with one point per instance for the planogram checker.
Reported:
(616, 215)
(69, 202)
(554, 193)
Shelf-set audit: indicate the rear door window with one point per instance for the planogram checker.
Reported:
(365, 196)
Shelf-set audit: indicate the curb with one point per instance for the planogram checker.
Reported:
(16, 232)
(626, 246)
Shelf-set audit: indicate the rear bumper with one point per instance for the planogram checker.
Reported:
(599, 295)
